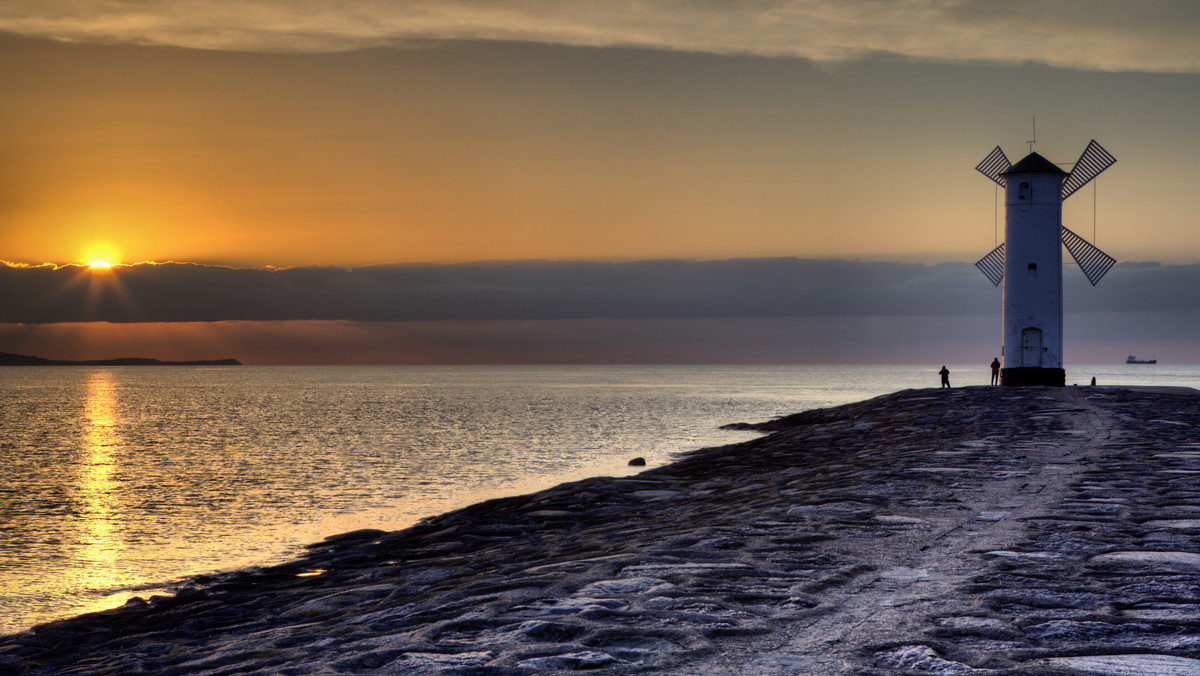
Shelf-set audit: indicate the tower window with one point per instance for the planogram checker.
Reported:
(1033, 270)
(1024, 192)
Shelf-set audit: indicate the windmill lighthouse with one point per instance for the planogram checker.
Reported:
(1029, 262)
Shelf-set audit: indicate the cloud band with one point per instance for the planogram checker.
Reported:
(1152, 35)
(551, 290)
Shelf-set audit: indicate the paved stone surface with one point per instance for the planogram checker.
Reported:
(968, 531)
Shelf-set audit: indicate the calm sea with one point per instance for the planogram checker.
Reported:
(116, 482)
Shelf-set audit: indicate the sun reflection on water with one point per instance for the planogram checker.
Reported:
(100, 541)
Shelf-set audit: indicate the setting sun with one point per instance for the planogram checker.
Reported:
(99, 255)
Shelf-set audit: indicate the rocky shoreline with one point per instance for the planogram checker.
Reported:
(969, 531)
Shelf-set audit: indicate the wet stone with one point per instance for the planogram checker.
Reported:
(905, 574)
(899, 520)
(971, 622)
(426, 662)
(633, 585)
(1166, 539)
(1032, 556)
(1151, 558)
(568, 606)
(1163, 611)
(1183, 524)
(549, 631)
(1048, 598)
(919, 659)
(1074, 630)
(664, 569)
(1126, 665)
(588, 659)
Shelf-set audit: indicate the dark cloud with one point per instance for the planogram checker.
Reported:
(1136, 287)
(551, 290)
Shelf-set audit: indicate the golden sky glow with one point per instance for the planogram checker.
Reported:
(100, 254)
(481, 150)
(356, 133)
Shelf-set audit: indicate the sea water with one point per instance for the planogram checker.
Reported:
(122, 481)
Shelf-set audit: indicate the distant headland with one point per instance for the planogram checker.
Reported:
(8, 359)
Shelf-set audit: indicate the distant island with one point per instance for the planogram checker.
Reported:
(8, 359)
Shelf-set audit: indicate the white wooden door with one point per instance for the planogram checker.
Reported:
(1031, 348)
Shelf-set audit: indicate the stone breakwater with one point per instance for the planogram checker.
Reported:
(968, 531)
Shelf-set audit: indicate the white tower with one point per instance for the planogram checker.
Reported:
(1030, 260)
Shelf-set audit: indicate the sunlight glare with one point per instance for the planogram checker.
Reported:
(97, 490)
(101, 255)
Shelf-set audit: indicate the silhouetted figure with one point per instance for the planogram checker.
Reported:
(945, 374)
(1093, 381)
(995, 370)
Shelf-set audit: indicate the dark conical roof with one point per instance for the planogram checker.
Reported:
(1034, 164)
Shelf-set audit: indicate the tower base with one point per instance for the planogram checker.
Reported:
(1026, 376)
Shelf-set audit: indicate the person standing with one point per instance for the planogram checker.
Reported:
(945, 374)
(995, 370)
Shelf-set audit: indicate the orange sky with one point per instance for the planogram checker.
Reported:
(357, 132)
(478, 150)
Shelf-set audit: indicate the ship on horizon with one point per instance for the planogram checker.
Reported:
(1134, 360)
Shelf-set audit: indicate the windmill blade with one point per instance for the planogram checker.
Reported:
(992, 265)
(1094, 262)
(1094, 160)
(993, 165)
